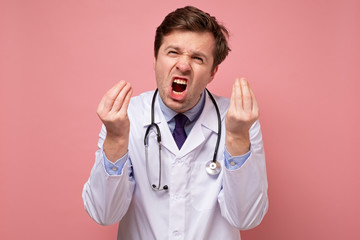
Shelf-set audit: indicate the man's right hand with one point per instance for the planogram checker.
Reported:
(112, 111)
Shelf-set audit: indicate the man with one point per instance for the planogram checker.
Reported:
(166, 192)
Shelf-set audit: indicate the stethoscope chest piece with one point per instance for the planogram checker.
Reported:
(213, 168)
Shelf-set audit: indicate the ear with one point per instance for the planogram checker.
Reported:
(154, 62)
(213, 74)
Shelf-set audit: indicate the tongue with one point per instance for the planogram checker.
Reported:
(178, 87)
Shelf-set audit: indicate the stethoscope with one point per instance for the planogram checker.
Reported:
(213, 167)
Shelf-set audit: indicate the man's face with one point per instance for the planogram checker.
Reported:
(183, 68)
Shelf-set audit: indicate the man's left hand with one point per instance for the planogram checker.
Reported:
(242, 113)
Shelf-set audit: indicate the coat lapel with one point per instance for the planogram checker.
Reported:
(167, 139)
(204, 126)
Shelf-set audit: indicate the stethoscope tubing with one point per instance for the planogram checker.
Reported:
(213, 167)
(219, 126)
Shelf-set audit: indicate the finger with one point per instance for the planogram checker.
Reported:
(108, 99)
(246, 95)
(238, 95)
(125, 105)
(255, 108)
(232, 104)
(118, 102)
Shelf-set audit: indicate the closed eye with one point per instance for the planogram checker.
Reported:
(173, 52)
(198, 59)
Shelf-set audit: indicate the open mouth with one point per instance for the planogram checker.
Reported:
(179, 86)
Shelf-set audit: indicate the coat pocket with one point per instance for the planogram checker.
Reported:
(204, 188)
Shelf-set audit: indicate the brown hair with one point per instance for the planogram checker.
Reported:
(193, 19)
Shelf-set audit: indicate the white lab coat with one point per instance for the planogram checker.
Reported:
(196, 205)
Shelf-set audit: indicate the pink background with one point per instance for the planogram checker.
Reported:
(57, 58)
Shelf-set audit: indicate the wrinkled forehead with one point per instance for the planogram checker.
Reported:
(189, 41)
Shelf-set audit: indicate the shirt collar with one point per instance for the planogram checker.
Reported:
(191, 114)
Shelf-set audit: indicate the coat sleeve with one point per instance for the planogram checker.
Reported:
(107, 198)
(243, 199)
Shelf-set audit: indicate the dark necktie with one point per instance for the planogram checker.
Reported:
(179, 133)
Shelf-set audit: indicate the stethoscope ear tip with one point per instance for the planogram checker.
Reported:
(213, 168)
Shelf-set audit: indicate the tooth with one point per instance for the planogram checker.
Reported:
(179, 81)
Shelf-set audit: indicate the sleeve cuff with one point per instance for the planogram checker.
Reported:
(235, 162)
(114, 168)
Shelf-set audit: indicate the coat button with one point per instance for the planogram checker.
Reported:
(177, 234)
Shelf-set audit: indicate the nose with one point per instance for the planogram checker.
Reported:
(183, 65)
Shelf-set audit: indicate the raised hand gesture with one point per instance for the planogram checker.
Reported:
(242, 113)
(112, 111)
